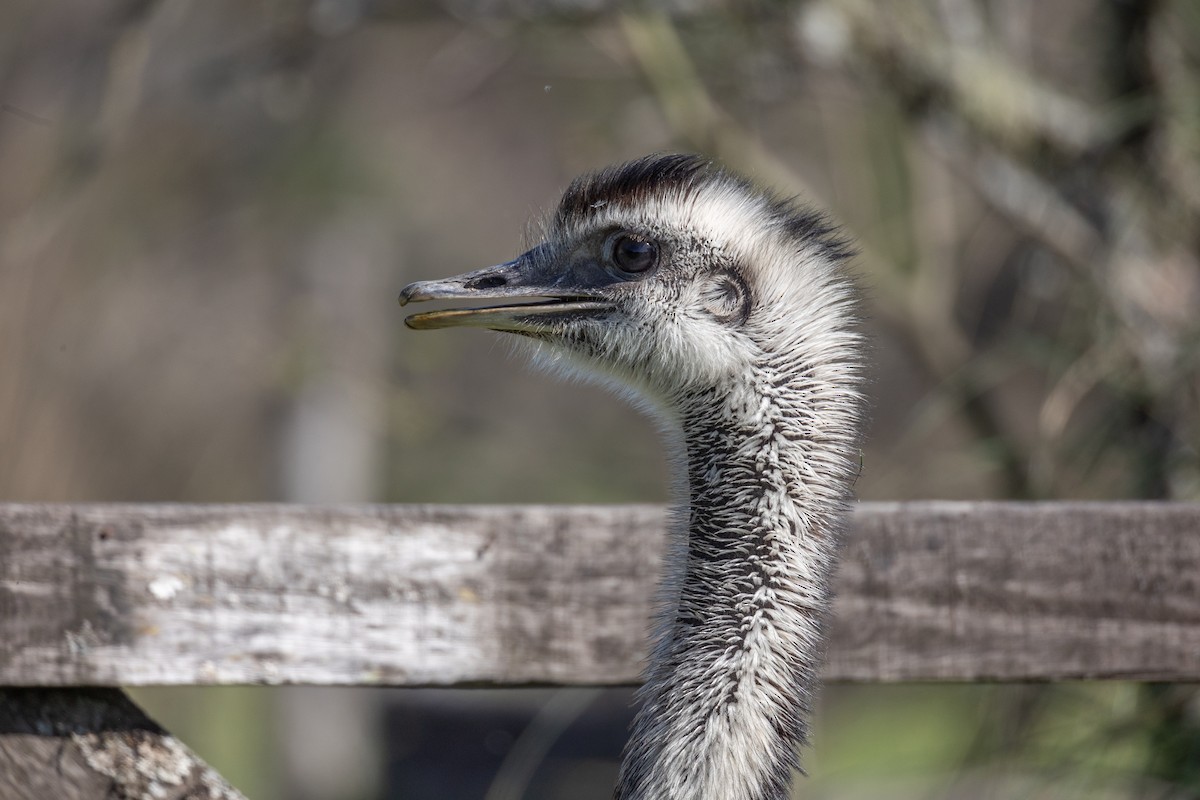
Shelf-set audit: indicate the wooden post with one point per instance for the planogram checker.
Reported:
(89, 744)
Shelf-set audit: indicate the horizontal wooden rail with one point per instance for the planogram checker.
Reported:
(427, 595)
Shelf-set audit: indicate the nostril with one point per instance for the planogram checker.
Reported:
(487, 282)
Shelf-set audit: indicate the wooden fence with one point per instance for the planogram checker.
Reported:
(104, 596)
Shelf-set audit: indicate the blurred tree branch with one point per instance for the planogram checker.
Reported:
(902, 292)
(1069, 173)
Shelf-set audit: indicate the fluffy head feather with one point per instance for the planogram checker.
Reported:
(740, 273)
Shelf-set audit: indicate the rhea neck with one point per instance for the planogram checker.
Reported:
(746, 588)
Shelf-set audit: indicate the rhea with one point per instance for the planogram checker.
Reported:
(727, 312)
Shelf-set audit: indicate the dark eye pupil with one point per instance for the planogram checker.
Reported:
(634, 255)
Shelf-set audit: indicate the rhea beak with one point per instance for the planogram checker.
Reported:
(553, 297)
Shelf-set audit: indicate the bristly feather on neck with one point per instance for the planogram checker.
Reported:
(769, 465)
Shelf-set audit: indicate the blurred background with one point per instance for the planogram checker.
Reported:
(208, 208)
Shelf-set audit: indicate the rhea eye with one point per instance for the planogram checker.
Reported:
(634, 255)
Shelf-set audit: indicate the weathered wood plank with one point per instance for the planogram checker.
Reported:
(423, 595)
(82, 744)
(1020, 591)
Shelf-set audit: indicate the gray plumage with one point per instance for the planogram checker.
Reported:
(727, 313)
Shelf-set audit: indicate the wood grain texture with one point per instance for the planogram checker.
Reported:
(426, 595)
(85, 744)
(1020, 591)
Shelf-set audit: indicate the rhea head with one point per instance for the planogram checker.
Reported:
(666, 273)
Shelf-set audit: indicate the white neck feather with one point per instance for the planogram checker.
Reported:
(769, 463)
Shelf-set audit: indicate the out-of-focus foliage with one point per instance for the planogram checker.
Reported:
(207, 209)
